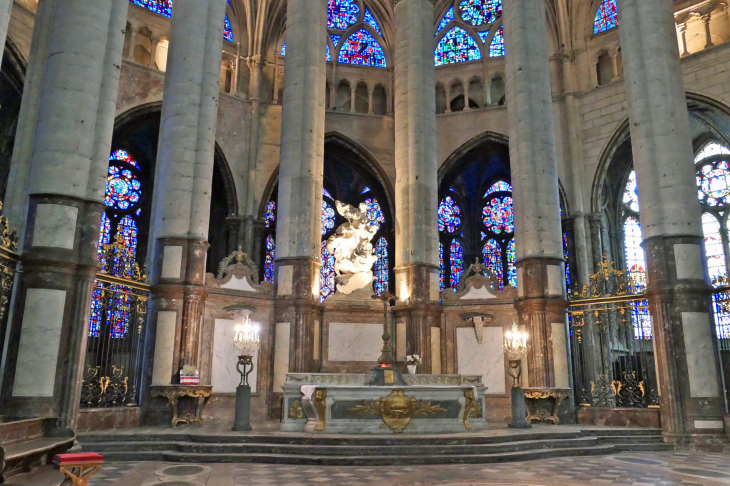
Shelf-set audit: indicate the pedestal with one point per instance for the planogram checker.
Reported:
(518, 410)
(243, 409)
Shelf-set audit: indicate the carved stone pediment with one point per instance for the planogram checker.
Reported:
(238, 272)
(480, 287)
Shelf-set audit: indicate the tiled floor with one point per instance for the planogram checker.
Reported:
(641, 469)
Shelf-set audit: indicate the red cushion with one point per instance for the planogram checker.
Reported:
(78, 458)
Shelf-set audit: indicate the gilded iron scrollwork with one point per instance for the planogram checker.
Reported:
(396, 410)
(472, 407)
(296, 411)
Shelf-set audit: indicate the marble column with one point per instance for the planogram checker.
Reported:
(80, 51)
(184, 174)
(416, 187)
(540, 264)
(298, 227)
(677, 289)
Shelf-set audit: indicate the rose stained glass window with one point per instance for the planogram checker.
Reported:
(269, 262)
(381, 267)
(713, 182)
(326, 274)
(500, 186)
(457, 263)
(456, 46)
(328, 218)
(270, 216)
(374, 212)
(606, 17)
(498, 215)
(363, 49)
(711, 149)
(480, 12)
(449, 215)
(492, 255)
(123, 189)
(342, 13)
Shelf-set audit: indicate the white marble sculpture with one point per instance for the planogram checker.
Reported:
(352, 249)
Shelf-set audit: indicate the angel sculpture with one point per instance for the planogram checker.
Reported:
(352, 249)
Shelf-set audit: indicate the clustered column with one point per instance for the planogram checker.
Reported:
(181, 208)
(298, 228)
(67, 153)
(540, 262)
(416, 190)
(687, 365)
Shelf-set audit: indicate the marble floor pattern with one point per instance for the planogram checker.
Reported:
(636, 469)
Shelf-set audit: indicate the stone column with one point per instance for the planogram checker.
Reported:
(154, 40)
(465, 85)
(68, 155)
(254, 87)
(708, 34)
(184, 174)
(353, 93)
(416, 189)
(540, 264)
(298, 227)
(133, 29)
(595, 222)
(371, 92)
(682, 28)
(677, 289)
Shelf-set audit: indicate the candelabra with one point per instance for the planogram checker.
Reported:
(386, 373)
(247, 340)
(515, 346)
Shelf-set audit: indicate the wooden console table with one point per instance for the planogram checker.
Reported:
(543, 404)
(173, 393)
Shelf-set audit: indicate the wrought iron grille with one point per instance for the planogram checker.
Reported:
(114, 347)
(721, 308)
(611, 338)
(8, 265)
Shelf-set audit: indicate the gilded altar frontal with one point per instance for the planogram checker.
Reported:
(403, 242)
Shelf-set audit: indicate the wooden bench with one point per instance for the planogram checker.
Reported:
(24, 444)
(78, 467)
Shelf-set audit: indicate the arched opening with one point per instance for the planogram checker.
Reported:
(604, 69)
(496, 90)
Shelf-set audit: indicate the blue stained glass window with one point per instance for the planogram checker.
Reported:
(715, 253)
(492, 254)
(496, 48)
(96, 309)
(361, 48)
(456, 46)
(283, 49)
(606, 17)
(128, 229)
(375, 213)
(270, 216)
(370, 20)
(713, 182)
(567, 262)
(499, 215)
(123, 189)
(484, 36)
(123, 156)
(227, 30)
(480, 12)
(366, 190)
(342, 13)
(484, 236)
(635, 260)
(381, 266)
(328, 54)
(105, 230)
(511, 267)
(270, 258)
(500, 186)
(328, 218)
(335, 39)
(441, 265)
(326, 274)
(445, 21)
(119, 320)
(449, 215)
(326, 193)
(457, 263)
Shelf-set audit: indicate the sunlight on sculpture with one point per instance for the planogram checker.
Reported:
(353, 250)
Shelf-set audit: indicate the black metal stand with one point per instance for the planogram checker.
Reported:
(242, 422)
(519, 411)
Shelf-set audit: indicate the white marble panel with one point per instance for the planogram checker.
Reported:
(285, 280)
(486, 359)
(478, 294)
(520, 285)
(164, 347)
(236, 283)
(560, 355)
(400, 341)
(709, 424)
(688, 258)
(355, 342)
(556, 279)
(434, 287)
(700, 352)
(315, 346)
(224, 376)
(55, 226)
(40, 336)
(171, 262)
(435, 350)
(281, 355)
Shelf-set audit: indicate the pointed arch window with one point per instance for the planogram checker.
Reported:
(363, 44)
(456, 255)
(498, 227)
(496, 48)
(606, 17)
(456, 46)
(164, 7)
(469, 30)
(381, 266)
(363, 49)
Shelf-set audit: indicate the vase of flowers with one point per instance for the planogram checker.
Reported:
(412, 362)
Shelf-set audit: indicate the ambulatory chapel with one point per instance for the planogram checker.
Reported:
(363, 233)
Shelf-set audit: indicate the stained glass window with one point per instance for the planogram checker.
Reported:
(500, 186)
(496, 48)
(484, 236)
(96, 310)
(567, 262)
(328, 218)
(716, 264)
(635, 260)
(119, 320)
(326, 193)
(227, 30)
(283, 49)
(456, 46)
(511, 259)
(361, 48)
(457, 263)
(164, 7)
(449, 215)
(123, 189)
(128, 229)
(335, 39)
(366, 190)
(498, 215)
(480, 12)
(270, 259)
(710, 150)
(375, 213)
(342, 13)
(123, 156)
(449, 17)
(631, 193)
(713, 181)
(326, 274)
(606, 17)
(370, 20)
(441, 266)
(492, 254)
(270, 216)
(381, 266)
(105, 234)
